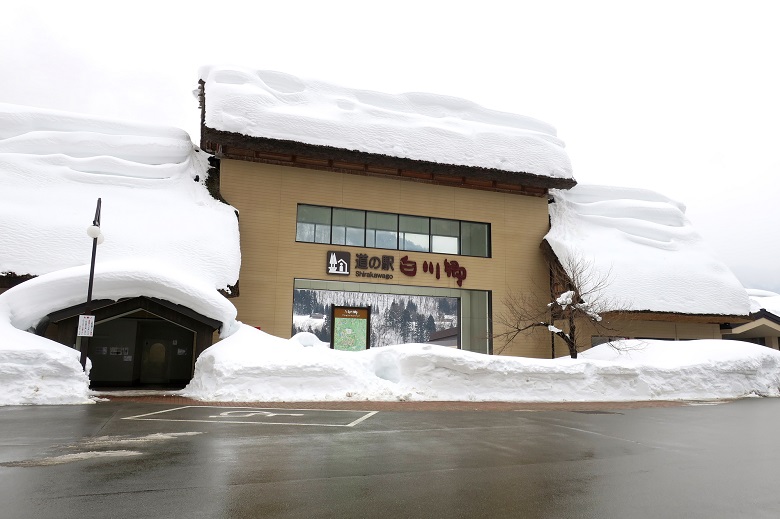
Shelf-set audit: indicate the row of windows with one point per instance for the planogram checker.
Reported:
(317, 224)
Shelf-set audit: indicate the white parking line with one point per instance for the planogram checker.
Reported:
(254, 415)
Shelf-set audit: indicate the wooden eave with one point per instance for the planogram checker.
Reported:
(9, 279)
(650, 315)
(106, 308)
(235, 146)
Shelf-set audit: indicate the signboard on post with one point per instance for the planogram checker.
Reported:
(86, 326)
(350, 328)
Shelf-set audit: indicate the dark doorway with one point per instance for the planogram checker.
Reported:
(141, 350)
(140, 341)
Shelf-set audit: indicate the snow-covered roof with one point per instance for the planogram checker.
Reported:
(155, 206)
(24, 305)
(418, 126)
(764, 300)
(646, 248)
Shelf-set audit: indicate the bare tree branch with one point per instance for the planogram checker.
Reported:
(578, 293)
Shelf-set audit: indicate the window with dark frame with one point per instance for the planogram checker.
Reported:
(358, 228)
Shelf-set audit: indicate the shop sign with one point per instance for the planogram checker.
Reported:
(350, 328)
(383, 266)
(338, 262)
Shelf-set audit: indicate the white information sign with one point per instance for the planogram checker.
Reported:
(86, 326)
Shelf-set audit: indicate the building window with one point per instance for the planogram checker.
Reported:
(445, 236)
(313, 224)
(381, 230)
(357, 228)
(349, 227)
(414, 233)
(474, 239)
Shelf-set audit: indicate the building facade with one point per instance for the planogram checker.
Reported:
(392, 236)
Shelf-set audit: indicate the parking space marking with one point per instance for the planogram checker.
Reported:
(257, 416)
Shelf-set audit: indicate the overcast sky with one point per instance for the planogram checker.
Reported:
(681, 97)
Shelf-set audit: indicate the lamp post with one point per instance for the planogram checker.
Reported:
(87, 321)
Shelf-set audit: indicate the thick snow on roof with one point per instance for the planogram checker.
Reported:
(646, 248)
(251, 365)
(55, 165)
(764, 300)
(419, 126)
(28, 302)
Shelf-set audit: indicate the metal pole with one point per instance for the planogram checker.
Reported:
(84, 345)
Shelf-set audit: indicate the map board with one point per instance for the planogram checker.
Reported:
(350, 328)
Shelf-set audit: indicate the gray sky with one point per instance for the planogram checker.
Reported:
(681, 97)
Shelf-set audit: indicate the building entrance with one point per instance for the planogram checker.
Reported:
(399, 313)
(141, 350)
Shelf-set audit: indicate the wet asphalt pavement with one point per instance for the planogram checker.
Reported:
(139, 460)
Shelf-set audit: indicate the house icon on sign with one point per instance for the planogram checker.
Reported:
(338, 263)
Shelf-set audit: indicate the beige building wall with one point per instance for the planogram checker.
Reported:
(643, 329)
(267, 197)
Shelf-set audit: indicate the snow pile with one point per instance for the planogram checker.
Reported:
(764, 300)
(419, 126)
(645, 247)
(254, 366)
(55, 165)
(34, 370)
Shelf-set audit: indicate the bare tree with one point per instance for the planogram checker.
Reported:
(577, 294)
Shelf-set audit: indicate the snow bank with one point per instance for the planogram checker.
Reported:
(34, 370)
(646, 247)
(419, 126)
(254, 366)
(55, 165)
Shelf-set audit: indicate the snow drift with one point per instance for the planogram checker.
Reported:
(253, 366)
(419, 126)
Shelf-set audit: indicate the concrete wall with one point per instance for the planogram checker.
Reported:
(267, 197)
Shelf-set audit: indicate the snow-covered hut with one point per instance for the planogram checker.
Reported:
(169, 246)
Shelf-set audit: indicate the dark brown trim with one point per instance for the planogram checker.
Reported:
(235, 146)
(650, 315)
(105, 309)
(9, 279)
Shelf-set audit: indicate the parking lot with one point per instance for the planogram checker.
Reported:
(136, 459)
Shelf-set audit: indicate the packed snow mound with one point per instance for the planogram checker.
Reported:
(55, 165)
(309, 339)
(24, 305)
(34, 370)
(254, 366)
(645, 248)
(419, 126)
(764, 300)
